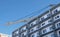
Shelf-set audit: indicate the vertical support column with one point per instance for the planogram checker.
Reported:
(39, 25)
(40, 33)
(28, 30)
(19, 32)
(54, 27)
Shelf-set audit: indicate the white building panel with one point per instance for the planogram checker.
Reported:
(46, 22)
(33, 23)
(24, 28)
(57, 24)
(34, 28)
(25, 33)
(57, 17)
(49, 35)
(47, 29)
(45, 16)
(58, 33)
(34, 34)
(17, 32)
(56, 9)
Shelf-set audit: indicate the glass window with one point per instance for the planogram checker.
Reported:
(40, 32)
(50, 20)
(31, 30)
(56, 17)
(52, 35)
(42, 18)
(23, 35)
(32, 36)
(17, 36)
(44, 31)
(46, 36)
(51, 28)
(31, 24)
(22, 29)
(58, 25)
(39, 26)
(43, 24)
(59, 32)
(49, 15)
(55, 11)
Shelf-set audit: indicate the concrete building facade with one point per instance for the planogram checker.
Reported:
(45, 25)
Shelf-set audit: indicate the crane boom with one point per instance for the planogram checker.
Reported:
(20, 21)
(25, 20)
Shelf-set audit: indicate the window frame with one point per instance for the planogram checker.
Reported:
(58, 33)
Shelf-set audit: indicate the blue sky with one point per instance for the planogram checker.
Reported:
(11, 10)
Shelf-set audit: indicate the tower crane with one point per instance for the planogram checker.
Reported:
(27, 19)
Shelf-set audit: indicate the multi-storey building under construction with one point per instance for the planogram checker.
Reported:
(46, 24)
